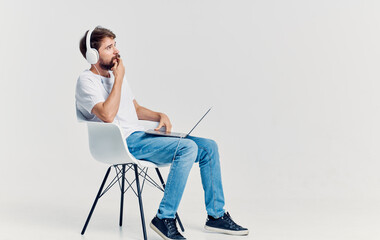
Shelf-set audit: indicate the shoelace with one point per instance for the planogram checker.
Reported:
(228, 218)
(171, 225)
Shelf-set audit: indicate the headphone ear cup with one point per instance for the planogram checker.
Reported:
(92, 56)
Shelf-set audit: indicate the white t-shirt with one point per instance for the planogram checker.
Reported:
(92, 89)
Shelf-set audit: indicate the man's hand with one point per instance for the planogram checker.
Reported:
(164, 122)
(118, 69)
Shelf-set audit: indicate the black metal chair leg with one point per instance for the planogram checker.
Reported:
(163, 185)
(140, 201)
(96, 201)
(122, 196)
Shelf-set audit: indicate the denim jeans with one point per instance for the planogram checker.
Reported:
(159, 150)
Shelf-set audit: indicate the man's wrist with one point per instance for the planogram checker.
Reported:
(118, 79)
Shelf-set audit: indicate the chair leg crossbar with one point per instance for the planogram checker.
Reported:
(120, 178)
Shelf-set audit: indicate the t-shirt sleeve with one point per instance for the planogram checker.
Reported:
(88, 94)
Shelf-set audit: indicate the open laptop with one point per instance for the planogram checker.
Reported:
(175, 134)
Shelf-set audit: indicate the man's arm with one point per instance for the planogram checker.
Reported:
(147, 114)
(107, 110)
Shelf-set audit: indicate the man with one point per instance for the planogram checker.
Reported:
(103, 94)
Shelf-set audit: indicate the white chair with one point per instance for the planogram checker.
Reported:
(107, 145)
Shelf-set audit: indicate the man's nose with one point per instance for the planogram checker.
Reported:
(116, 51)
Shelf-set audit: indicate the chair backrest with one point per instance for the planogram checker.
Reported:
(106, 141)
(107, 144)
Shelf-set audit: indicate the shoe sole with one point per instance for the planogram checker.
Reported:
(229, 232)
(158, 231)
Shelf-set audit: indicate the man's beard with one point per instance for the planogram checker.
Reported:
(106, 66)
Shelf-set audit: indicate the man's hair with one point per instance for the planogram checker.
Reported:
(97, 36)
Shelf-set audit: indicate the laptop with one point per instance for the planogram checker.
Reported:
(175, 134)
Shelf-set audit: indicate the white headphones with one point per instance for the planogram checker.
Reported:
(92, 54)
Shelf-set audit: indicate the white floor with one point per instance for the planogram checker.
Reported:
(62, 215)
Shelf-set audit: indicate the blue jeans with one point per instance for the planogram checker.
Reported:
(191, 149)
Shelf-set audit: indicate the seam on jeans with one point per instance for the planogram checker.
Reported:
(140, 151)
(212, 180)
(145, 151)
(168, 184)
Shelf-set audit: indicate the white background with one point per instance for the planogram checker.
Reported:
(295, 89)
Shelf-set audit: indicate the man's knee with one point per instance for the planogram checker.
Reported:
(189, 148)
(211, 145)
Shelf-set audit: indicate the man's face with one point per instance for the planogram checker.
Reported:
(108, 53)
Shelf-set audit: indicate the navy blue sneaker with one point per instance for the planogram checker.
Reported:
(225, 224)
(166, 228)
